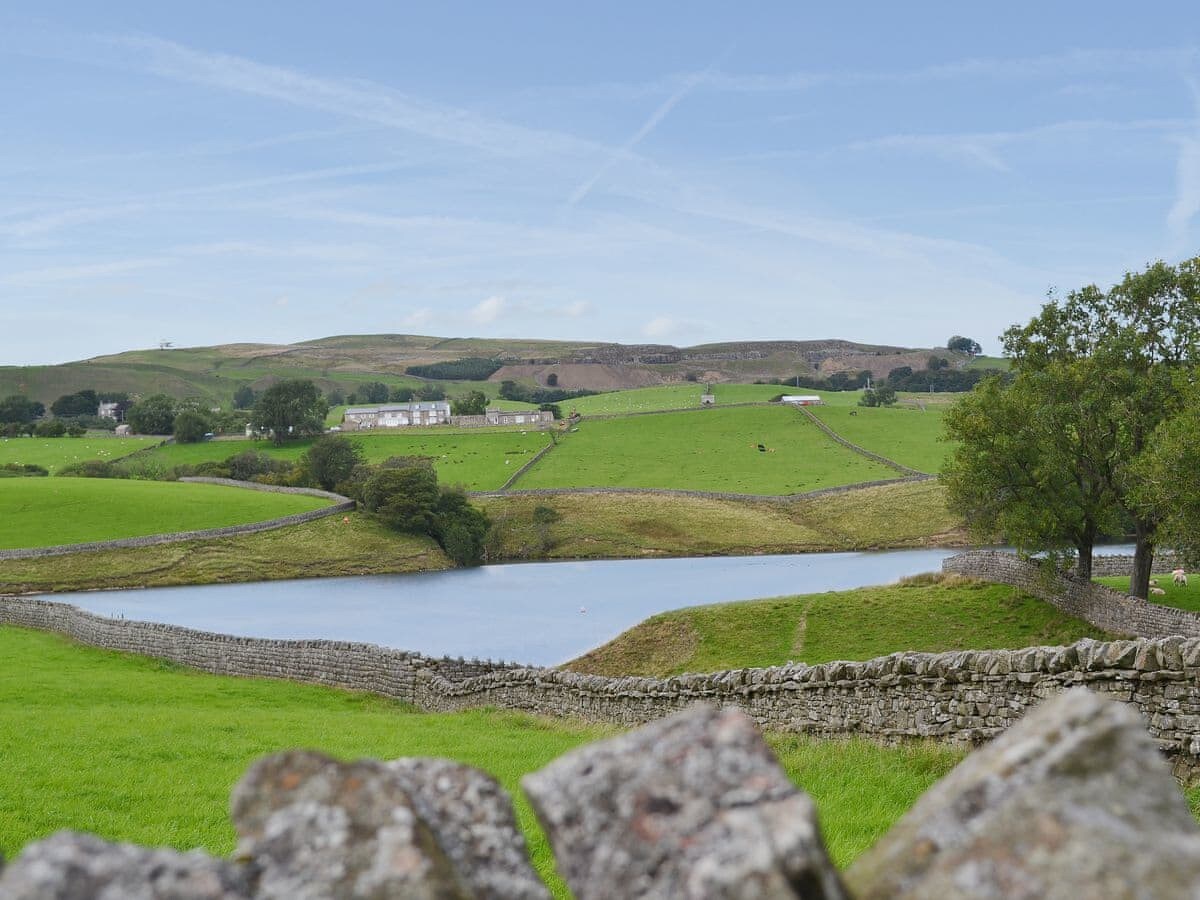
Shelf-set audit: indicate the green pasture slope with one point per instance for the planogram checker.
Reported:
(54, 453)
(708, 450)
(931, 613)
(134, 749)
(478, 459)
(909, 436)
(43, 512)
(687, 396)
(1183, 597)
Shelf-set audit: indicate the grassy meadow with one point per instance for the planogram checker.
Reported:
(1183, 597)
(54, 453)
(909, 436)
(667, 397)
(927, 613)
(42, 512)
(478, 460)
(140, 750)
(707, 450)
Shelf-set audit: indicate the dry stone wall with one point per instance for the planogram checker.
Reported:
(1096, 604)
(962, 697)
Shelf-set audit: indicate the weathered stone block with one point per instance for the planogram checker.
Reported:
(318, 829)
(1073, 801)
(693, 806)
(72, 866)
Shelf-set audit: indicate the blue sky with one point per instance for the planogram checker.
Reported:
(678, 173)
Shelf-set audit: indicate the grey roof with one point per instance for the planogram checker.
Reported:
(423, 406)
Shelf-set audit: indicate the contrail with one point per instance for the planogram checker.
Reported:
(648, 126)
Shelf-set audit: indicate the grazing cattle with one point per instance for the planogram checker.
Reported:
(1180, 577)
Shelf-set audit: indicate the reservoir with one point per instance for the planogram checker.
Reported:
(541, 613)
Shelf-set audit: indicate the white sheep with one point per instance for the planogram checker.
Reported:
(1156, 591)
(1180, 577)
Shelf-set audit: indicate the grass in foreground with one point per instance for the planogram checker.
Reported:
(1185, 597)
(933, 613)
(325, 548)
(140, 750)
(479, 460)
(42, 512)
(54, 453)
(706, 450)
(605, 526)
(909, 436)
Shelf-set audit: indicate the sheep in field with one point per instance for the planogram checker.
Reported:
(1180, 577)
(1156, 591)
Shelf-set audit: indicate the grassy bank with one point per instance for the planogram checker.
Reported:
(932, 614)
(706, 450)
(590, 526)
(669, 396)
(54, 453)
(41, 512)
(139, 750)
(630, 525)
(324, 548)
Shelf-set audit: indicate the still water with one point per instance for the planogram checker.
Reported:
(536, 613)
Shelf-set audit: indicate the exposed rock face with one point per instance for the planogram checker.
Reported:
(318, 828)
(71, 866)
(1074, 801)
(693, 806)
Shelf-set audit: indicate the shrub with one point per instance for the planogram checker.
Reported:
(90, 468)
(403, 499)
(331, 459)
(23, 470)
(53, 428)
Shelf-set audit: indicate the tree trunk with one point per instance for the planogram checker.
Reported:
(1083, 562)
(1143, 560)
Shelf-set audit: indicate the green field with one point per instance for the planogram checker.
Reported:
(355, 544)
(707, 450)
(1186, 597)
(139, 750)
(479, 460)
(909, 436)
(42, 512)
(669, 396)
(54, 453)
(931, 613)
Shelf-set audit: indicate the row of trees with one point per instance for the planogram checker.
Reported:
(1096, 432)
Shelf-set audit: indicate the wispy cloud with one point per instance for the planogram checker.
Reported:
(358, 99)
(487, 311)
(1187, 179)
(661, 327)
(985, 148)
(56, 274)
(418, 318)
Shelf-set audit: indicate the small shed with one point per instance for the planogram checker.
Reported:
(708, 399)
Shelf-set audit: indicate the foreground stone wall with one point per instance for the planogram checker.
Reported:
(1073, 802)
(962, 697)
(1096, 604)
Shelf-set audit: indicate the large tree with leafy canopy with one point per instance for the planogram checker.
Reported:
(1054, 459)
(290, 409)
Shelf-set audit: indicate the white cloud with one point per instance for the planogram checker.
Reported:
(1187, 180)
(668, 326)
(55, 274)
(577, 309)
(418, 318)
(487, 311)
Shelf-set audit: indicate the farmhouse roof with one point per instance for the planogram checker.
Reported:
(423, 406)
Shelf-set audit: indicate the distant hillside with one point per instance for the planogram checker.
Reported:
(214, 373)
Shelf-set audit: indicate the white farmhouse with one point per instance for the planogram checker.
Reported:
(802, 399)
(396, 415)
